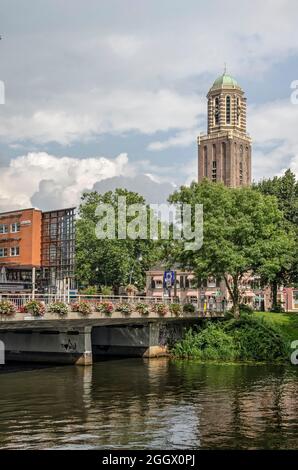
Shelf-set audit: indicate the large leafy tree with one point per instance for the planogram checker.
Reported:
(112, 262)
(243, 232)
(285, 189)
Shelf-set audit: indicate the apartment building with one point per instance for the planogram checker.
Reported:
(36, 248)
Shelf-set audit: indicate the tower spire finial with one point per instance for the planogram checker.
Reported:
(225, 68)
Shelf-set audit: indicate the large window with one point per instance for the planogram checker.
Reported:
(228, 110)
(14, 251)
(3, 252)
(205, 161)
(214, 171)
(3, 228)
(15, 227)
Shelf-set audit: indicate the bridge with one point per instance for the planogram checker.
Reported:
(77, 338)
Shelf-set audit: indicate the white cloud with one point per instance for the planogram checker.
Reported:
(83, 116)
(41, 176)
(273, 127)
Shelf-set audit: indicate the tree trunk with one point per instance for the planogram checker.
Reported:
(234, 293)
(274, 287)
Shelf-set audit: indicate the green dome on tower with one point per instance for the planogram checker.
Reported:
(225, 80)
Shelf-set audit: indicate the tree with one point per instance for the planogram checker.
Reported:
(243, 232)
(110, 262)
(285, 189)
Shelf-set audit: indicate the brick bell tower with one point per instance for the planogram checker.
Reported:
(225, 151)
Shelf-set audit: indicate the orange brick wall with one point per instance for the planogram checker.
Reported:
(28, 238)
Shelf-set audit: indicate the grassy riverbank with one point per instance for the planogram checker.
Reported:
(261, 336)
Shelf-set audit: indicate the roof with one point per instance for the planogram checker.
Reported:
(225, 81)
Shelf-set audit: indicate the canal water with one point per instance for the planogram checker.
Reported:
(149, 404)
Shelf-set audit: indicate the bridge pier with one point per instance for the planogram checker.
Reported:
(136, 340)
(63, 346)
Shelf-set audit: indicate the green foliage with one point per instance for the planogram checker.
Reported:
(175, 309)
(7, 308)
(90, 290)
(243, 232)
(256, 340)
(189, 308)
(243, 339)
(106, 290)
(58, 307)
(244, 308)
(112, 262)
(35, 308)
(209, 343)
(283, 266)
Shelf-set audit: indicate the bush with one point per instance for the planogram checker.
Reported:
(244, 339)
(189, 308)
(244, 308)
(82, 307)
(90, 290)
(58, 307)
(161, 309)
(35, 307)
(106, 290)
(124, 308)
(105, 307)
(175, 309)
(210, 343)
(255, 339)
(7, 308)
(143, 309)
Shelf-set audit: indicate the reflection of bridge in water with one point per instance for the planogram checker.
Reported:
(78, 338)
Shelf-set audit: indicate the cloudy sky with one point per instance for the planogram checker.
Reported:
(101, 93)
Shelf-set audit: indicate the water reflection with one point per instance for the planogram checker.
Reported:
(135, 403)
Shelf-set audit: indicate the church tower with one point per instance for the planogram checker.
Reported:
(225, 151)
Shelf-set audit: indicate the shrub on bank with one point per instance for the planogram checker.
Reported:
(7, 308)
(209, 343)
(244, 339)
(85, 308)
(60, 308)
(35, 308)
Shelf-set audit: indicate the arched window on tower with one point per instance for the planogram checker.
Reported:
(238, 112)
(228, 110)
(216, 111)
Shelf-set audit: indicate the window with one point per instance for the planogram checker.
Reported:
(238, 112)
(241, 165)
(228, 110)
(3, 252)
(224, 160)
(14, 251)
(3, 228)
(214, 171)
(216, 111)
(205, 161)
(15, 227)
